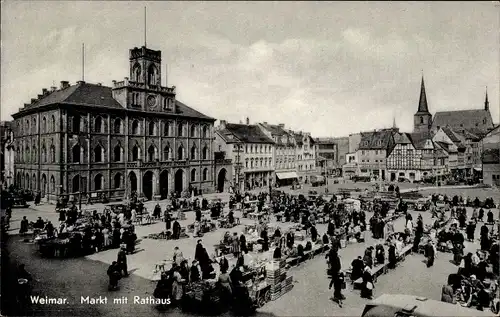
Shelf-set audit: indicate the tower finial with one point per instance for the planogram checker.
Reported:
(486, 102)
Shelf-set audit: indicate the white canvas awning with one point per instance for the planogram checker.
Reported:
(287, 175)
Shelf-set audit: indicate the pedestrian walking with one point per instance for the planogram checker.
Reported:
(122, 261)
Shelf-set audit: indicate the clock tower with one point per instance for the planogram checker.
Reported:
(143, 90)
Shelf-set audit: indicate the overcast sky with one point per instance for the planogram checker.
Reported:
(327, 68)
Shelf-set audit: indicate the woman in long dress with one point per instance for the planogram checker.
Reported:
(235, 245)
(177, 288)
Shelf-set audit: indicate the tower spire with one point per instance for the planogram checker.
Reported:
(422, 103)
(394, 122)
(486, 102)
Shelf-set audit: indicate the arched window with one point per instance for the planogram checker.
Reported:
(75, 124)
(44, 154)
(28, 131)
(98, 180)
(193, 152)
(34, 126)
(205, 174)
(205, 132)
(76, 184)
(152, 128)
(193, 130)
(180, 152)
(117, 126)
(75, 152)
(118, 181)
(193, 175)
(19, 158)
(167, 155)
(52, 188)
(421, 119)
(205, 152)
(53, 124)
(98, 154)
(117, 153)
(27, 155)
(180, 129)
(44, 125)
(98, 124)
(135, 153)
(137, 72)
(152, 75)
(246, 163)
(166, 128)
(34, 157)
(135, 127)
(251, 163)
(52, 154)
(151, 153)
(33, 182)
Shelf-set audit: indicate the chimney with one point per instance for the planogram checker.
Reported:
(222, 124)
(64, 84)
(281, 125)
(248, 121)
(45, 92)
(52, 89)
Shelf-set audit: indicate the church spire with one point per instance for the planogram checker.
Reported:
(486, 102)
(394, 122)
(422, 104)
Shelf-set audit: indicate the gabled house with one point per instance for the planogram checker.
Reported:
(251, 152)
(284, 156)
(373, 150)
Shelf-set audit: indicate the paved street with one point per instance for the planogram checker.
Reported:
(72, 278)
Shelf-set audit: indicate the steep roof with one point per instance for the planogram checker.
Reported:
(401, 138)
(477, 121)
(274, 129)
(422, 102)
(245, 133)
(491, 156)
(451, 134)
(445, 146)
(376, 140)
(419, 139)
(85, 94)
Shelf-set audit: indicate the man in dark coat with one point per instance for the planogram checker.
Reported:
(485, 240)
(430, 254)
(114, 275)
(357, 268)
(176, 230)
(122, 261)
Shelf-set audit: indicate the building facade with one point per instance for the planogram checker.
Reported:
(132, 137)
(250, 151)
(7, 154)
(306, 156)
(372, 152)
(284, 156)
(326, 156)
(491, 157)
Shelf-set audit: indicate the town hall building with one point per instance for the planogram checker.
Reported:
(132, 137)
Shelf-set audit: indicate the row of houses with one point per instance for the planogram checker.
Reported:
(461, 144)
(264, 154)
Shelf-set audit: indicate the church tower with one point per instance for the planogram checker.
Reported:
(422, 120)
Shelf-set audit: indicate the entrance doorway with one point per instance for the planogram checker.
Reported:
(133, 182)
(147, 185)
(164, 184)
(393, 177)
(179, 181)
(221, 180)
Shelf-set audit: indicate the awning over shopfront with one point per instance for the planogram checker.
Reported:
(478, 169)
(287, 175)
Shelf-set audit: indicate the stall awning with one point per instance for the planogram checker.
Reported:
(287, 175)
(478, 169)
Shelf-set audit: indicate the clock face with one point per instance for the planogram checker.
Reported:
(152, 101)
